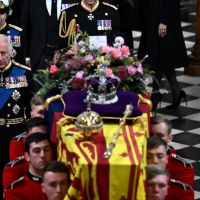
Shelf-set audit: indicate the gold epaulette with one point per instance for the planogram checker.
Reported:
(51, 99)
(111, 5)
(22, 66)
(15, 27)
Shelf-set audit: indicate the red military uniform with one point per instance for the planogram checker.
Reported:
(13, 170)
(170, 150)
(179, 191)
(26, 187)
(17, 148)
(179, 169)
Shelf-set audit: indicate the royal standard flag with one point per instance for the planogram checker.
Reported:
(121, 177)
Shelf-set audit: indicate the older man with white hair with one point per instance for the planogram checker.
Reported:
(14, 98)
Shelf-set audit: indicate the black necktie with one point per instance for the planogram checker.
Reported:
(54, 10)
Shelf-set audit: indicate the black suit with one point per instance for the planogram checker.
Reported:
(16, 11)
(34, 23)
(34, 27)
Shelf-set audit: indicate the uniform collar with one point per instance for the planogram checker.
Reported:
(1, 28)
(88, 8)
(7, 67)
(34, 178)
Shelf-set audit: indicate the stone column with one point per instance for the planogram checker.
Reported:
(194, 66)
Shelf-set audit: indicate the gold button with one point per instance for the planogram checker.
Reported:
(75, 15)
(2, 121)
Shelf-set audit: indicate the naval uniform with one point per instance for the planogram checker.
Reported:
(26, 187)
(13, 170)
(103, 19)
(15, 97)
(14, 33)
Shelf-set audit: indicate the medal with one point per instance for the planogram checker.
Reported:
(90, 16)
(104, 25)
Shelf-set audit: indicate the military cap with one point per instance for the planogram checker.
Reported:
(4, 6)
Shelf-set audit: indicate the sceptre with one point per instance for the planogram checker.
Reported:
(127, 113)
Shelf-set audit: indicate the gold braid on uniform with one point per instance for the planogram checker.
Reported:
(51, 99)
(64, 32)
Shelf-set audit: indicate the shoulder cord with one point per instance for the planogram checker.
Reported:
(64, 32)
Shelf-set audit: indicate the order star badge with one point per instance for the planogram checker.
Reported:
(90, 16)
(16, 109)
(16, 95)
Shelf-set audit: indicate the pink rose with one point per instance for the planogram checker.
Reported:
(119, 40)
(140, 68)
(88, 58)
(81, 43)
(125, 51)
(75, 62)
(106, 49)
(53, 69)
(109, 72)
(80, 74)
(71, 51)
(131, 70)
(116, 53)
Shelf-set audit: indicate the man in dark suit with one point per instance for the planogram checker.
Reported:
(15, 12)
(40, 23)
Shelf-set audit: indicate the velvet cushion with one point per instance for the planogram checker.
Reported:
(74, 104)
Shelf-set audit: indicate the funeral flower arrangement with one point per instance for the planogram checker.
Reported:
(71, 67)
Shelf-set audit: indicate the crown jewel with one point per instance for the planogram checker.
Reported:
(102, 89)
(89, 121)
